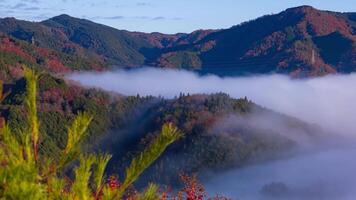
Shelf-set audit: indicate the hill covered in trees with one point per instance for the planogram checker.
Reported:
(220, 132)
(301, 42)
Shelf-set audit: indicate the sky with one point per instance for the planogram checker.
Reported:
(166, 16)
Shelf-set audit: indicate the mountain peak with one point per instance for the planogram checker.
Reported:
(302, 9)
(62, 17)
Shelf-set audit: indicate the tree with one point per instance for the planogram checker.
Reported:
(2, 94)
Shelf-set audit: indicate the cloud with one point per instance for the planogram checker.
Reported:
(328, 101)
(165, 18)
(143, 4)
(33, 8)
(131, 17)
(19, 6)
(31, 1)
(159, 18)
(25, 6)
(42, 16)
(141, 17)
(317, 176)
(114, 17)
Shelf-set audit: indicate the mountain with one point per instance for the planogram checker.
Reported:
(301, 42)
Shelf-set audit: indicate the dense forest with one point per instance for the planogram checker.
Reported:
(124, 126)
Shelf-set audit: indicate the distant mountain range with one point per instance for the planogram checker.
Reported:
(301, 42)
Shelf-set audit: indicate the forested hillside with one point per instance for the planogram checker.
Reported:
(300, 42)
(128, 124)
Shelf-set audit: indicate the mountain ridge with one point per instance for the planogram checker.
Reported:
(299, 41)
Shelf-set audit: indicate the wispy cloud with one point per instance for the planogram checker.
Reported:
(42, 16)
(114, 17)
(32, 8)
(166, 18)
(143, 4)
(19, 6)
(117, 17)
(159, 18)
(31, 1)
(24, 6)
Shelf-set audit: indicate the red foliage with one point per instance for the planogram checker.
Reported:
(72, 92)
(54, 65)
(113, 183)
(97, 67)
(192, 190)
(42, 52)
(324, 23)
(2, 122)
(16, 71)
(9, 46)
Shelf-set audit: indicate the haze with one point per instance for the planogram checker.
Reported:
(328, 101)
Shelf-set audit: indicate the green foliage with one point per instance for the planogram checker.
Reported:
(119, 47)
(151, 193)
(31, 88)
(100, 164)
(53, 132)
(47, 82)
(80, 188)
(184, 60)
(139, 164)
(75, 136)
(290, 35)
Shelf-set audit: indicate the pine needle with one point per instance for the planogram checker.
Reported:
(31, 90)
(168, 135)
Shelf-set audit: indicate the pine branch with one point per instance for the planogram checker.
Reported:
(168, 135)
(75, 136)
(100, 164)
(31, 90)
(80, 188)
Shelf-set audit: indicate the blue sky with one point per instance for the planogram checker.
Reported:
(167, 16)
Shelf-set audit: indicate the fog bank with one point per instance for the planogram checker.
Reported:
(319, 176)
(327, 101)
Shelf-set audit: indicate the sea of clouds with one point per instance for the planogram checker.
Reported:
(329, 102)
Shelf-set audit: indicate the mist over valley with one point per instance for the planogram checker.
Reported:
(319, 166)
